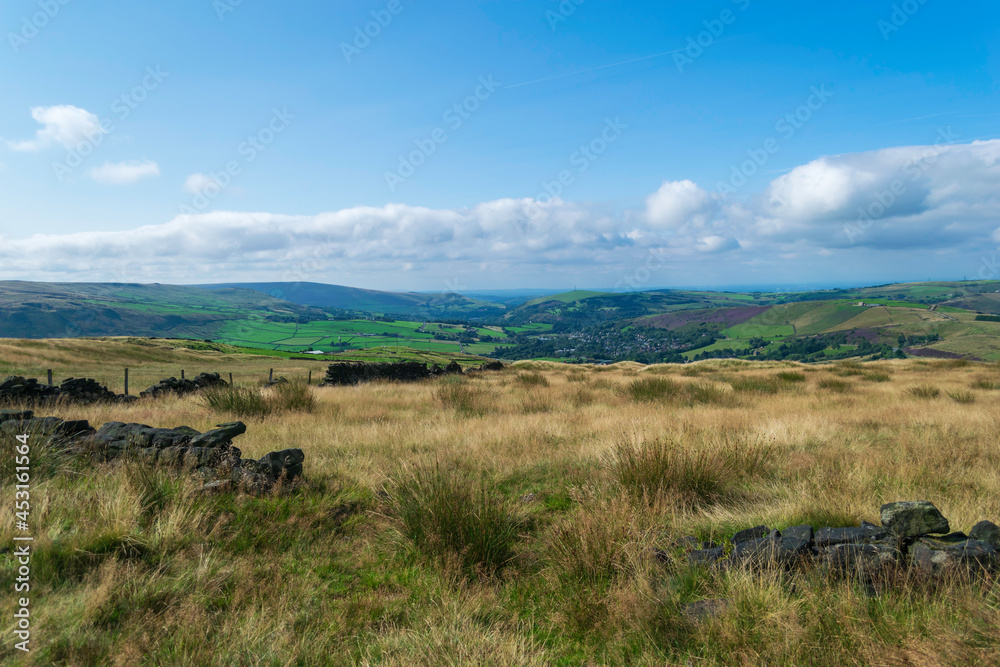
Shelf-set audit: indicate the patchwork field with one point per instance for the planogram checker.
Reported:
(545, 558)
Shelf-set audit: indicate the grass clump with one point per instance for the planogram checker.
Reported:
(295, 396)
(649, 389)
(534, 379)
(831, 384)
(791, 377)
(876, 376)
(245, 402)
(664, 468)
(448, 514)
(962, 396)
(923, 391)
(982, 383)
(250, 402)
(756, 385)
(464, 399)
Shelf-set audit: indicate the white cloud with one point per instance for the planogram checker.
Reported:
(64, 124)
(676, 204)
(929, 200)
(124, 173)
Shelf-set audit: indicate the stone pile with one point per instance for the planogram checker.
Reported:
(913, 534)
(186, 386)
(351, 373)
(78, 390)
(210, 454)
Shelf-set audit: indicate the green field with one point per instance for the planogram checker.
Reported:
(345, 335)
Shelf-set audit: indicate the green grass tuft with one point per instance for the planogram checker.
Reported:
(924, 391)
(447, 513)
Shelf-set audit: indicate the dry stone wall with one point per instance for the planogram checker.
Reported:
(351, 373)
(912, 534)
(211, 454)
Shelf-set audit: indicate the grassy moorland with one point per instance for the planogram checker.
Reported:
(507, 518)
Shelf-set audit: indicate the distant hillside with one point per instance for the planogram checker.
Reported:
(65, 310)
(411, 304)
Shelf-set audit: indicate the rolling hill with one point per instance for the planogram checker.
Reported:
(409, 304)
(67, 310)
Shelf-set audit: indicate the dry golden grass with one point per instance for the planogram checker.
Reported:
(138, 568)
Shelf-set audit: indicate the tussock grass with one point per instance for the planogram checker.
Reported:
(876, 376)
(962, 396)
(660, 389)
(757, 385)
(983, 383)
(243, 402)
(448, 513)
(791, 377)
(465, 399)
(136, 566)
(923, 391)
(255, 403)
(532, 379)
(667, 469)
(838, 386)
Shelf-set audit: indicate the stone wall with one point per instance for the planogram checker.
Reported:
(18, 389)
(352, 373)
(186, 386)
(211, 455)
(913, 534)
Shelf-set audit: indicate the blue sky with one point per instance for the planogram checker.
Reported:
(647, 111)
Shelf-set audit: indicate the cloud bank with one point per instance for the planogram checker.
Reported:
(939, 199)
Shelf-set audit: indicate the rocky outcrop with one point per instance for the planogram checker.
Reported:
(181, 387)
(352, 373)
(211, 454)
(912, 535)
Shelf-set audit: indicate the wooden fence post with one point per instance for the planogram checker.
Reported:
(230, 379)
(310, 378)
(182, 373)
(50, 377)
(126, 382)
(270, 376)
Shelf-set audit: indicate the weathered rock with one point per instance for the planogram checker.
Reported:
(20, 415)
(705, 557)
(798, 533)
(171, 456)
(986, 531)
(910, 519)
(220, 436)
(285, 464)
(751, 534)
(828, 537)
(196, 457)
(857, 559)
(933, 555)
